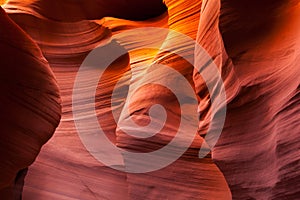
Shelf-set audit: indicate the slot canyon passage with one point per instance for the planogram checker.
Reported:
(255, 46)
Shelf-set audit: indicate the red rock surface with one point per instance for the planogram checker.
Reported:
(30, 104)
(258, 151)
(254, 44)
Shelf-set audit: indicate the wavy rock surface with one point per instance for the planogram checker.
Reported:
(258, 152)
(30, 105)
(60, 45)
(260, 141)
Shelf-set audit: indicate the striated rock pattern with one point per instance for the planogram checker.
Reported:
(255, 46)
(258, 151)
(30, 105)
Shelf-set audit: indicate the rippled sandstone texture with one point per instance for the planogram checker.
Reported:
(258, 151)
(256, 48)
(30, 105)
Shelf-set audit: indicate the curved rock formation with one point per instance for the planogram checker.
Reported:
(255, 46)
(30, 104)
(260, 141)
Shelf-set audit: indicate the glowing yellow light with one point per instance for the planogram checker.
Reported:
(3, 2)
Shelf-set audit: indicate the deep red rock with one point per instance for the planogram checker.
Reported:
(254, 44)
(30, 103)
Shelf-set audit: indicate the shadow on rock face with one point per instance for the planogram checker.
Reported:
(30, 105)
(69, 10)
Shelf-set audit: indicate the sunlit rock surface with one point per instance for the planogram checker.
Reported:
(255, 46)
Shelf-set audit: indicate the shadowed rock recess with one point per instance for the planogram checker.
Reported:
(255, 46)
